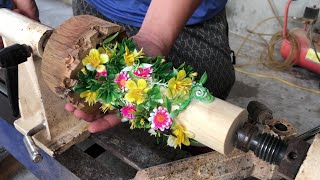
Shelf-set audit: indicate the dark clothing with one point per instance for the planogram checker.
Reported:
(203, 46)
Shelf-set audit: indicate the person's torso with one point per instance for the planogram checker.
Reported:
(132, 12)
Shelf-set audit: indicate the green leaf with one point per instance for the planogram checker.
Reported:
(181, 66)
(113, 96)
(104, 97)
(175, 72)
(174, 114)
(110, 38)
(79, 88)
(155, 93)
(157, 96)
(185, 104)
(165, 67)
(140, 108)
(168, 104)
(100, 93)
(116, 95)
(102, 78)
(109, 97)
(203, 78)
(95, 87)
(111, 76)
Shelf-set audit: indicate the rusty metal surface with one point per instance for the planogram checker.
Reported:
(258, 112)
(293, 158)
(281, 127)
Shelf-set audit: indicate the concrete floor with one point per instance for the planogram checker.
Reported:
(53, 12)
(299, 106)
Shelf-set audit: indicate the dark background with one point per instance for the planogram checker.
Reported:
(5, 111)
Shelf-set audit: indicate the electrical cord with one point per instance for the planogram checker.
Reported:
(278, 79)
(275, 12)
(272, 63)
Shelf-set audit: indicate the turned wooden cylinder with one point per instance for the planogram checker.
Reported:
(20, 29)
(213, 124)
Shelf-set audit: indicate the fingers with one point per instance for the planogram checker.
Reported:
(18, 11)
(69, 107)
(98, 123)
(78, 113)
(27, 8)
(104, 123)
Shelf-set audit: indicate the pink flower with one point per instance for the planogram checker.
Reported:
(128, 111)
(103, 73)
(160, 119)
(143, 72)
(121, 79)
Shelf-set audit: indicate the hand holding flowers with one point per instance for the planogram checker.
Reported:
(145, 91)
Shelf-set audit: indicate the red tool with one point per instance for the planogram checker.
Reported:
(308, 51)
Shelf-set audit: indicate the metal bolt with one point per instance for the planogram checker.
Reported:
(33, 151)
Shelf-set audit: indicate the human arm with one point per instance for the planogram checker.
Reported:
(25, 7)
(163, 23)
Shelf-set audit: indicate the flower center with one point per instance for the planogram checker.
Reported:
(160, 118)
(122, 82)
(95, 62)
(138, 92)
(130, 111)
(130, 58)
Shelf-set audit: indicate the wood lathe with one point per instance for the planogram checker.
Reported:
(45, 78)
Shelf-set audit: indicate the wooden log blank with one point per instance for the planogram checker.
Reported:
(68, 45)
(214, 124)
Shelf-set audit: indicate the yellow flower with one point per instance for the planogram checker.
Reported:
(142, 121)
(101, 50)
(194, 74)
(136, 91)
(90, 97)
(130, 57)
(180, 136)
(95, 61)
(105, 107)
(105, 51)
(133, 124)
(84, 71)
(180, 85)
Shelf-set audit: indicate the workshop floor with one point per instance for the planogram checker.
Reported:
(298, 106)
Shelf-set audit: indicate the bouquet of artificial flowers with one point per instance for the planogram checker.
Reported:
(147, 92)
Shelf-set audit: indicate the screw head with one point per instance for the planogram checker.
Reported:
(37, 158)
